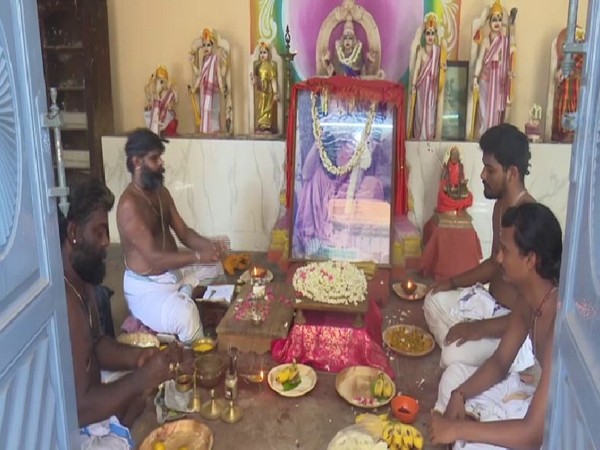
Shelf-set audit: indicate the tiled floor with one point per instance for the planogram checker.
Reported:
(272, 422)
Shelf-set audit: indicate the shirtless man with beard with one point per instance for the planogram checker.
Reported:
(159, 277)
(108, 407)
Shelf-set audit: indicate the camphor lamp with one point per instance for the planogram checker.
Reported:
(409, 286)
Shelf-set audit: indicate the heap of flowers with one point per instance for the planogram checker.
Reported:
(262, 306)
(334, 282)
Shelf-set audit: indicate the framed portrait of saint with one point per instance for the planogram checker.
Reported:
(343, 179)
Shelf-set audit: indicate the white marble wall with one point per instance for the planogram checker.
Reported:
(220, 187)
(232, 186)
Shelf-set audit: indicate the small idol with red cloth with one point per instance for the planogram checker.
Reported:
(453, 194)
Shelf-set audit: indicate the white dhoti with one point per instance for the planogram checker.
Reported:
(506, 400)
(106, 435)
(163, 302)
(443, 310)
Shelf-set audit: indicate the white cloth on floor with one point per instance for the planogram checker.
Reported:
(509, 399)
(443, 310)
(163, 302)
(106, 435)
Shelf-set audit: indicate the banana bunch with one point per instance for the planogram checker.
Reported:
(399, 436)
(382, 388)
(289, 377)
(396, 435)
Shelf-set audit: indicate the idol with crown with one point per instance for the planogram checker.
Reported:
(349, 56)
(211, 89)
(428, 76)
(161, 98)
(492, 65)
(266, 81)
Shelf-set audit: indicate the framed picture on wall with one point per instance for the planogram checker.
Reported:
(455, 101)
(343, 179)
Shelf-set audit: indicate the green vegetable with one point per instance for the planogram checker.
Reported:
(291, 384)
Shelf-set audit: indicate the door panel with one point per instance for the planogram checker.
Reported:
(574, 401)
(37, 398)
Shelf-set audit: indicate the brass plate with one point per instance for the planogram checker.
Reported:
(419, 294)
(388, 333)
(139, 340)
(187, 433)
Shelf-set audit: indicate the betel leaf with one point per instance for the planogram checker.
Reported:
(291, 384)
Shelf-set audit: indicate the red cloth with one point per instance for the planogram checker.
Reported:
(360, 90)
(449, 251)
(329, 342)
(445, 203)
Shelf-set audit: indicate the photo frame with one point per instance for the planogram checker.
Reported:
(456, 95)
(342, 216)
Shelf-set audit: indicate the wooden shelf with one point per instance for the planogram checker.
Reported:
(63, 48)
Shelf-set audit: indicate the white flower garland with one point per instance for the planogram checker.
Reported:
(350, 59)
(318, 133)
(333, 282)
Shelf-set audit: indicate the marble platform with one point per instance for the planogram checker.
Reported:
(232, 186)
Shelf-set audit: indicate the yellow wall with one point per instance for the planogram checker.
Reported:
(146, 33)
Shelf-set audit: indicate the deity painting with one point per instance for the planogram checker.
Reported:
(453, 194)
(342, 202)
(350, 55)
(492, 66)
(427, 81)
(161, 98)
(211, 88)
(266, 80)
(563, 90)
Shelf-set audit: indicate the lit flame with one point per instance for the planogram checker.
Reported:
(409, 284)
(262, 375)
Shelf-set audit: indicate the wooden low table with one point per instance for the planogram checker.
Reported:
(248, 337)
(305, 304)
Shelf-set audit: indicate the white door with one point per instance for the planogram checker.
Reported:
(37, 395)
(574, 407)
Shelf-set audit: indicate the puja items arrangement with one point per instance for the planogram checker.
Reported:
(333, 282)
(180, 435)
(372, 432)
(292, 380)
(234, 262)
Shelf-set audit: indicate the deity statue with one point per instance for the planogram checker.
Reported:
(453, 193)
(492, 64)
(563, 92)
(161, 97)
(265, 89)
(211, 90)
(428, 76)
(349, 56)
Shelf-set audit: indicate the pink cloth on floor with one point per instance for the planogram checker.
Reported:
(329, 342)
(134, 325)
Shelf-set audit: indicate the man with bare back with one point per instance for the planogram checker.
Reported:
(159, 277)
(468, 323)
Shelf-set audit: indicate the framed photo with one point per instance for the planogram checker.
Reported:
(454, 115)
(343, 183)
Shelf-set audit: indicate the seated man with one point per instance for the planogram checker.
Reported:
(451, 320)
(104, 410)
(159, 277)
(512, 406)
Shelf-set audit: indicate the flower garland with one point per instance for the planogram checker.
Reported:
(360, 148)
(333, 282)
(352, 58)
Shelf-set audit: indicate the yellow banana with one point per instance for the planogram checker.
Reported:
(378, 387)
(284, 375)
(417, 439)
(407, 435)
(387, 389)
(397, 434)
(388, 433)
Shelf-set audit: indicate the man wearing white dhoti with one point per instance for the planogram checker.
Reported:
(159, 277)
(471, 338)
(507, 410)
(104, 408)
